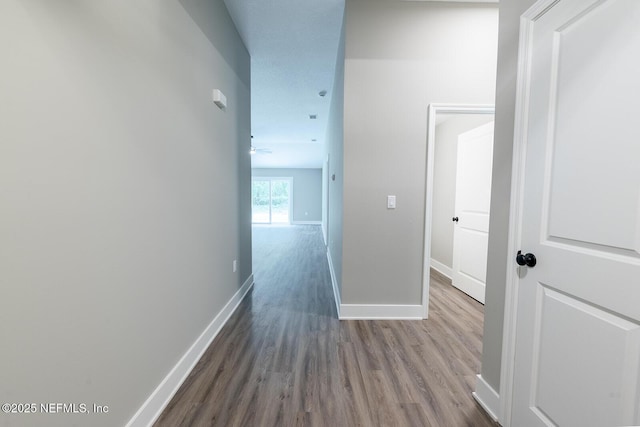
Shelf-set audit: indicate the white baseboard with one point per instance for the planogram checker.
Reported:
(334, 282)
(380, 311)
(488, 398)
(306, 222)
(162, 395)
(441, 268)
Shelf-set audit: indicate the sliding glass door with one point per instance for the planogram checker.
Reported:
(280, 201)
(260, 201)
(271, 200)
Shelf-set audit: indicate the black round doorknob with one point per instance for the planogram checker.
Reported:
(527, 259)
(454, 219)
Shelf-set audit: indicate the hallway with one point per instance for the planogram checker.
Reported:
(284, 359)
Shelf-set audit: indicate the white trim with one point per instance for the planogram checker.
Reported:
(487, 398)
(380, 311)
(306, 223)
(162, 395)
(517, 198)
(334, 283)
(441, 268)
(433, 111)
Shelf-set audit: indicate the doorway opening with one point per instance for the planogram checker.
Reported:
(456, 216)
(271, 200)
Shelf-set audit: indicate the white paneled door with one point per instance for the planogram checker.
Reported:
(577, 354)
(473, 197)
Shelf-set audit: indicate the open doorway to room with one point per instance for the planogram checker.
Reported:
(271, 200)
(459, 168)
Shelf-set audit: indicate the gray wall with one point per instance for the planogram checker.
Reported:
(444, 181)
(335, 148)
(401, 56)
(124, 193)
(307, 191)
(510, 11)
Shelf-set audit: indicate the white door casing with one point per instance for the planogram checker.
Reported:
(434, 111)
(576, 360)
(472, 202)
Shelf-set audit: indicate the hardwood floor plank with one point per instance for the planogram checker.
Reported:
(353, 394)
(284, 359)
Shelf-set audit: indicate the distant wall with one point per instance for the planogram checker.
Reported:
(307, 191)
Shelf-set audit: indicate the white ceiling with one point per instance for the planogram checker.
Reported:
(293, 46)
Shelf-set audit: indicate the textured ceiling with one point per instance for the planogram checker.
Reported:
(293, 46)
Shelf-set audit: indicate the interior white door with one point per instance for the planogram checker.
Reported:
(577, 353)
(473, 197)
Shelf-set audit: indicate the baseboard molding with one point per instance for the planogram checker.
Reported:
(487, 398)
(334, 283)
(162, 395)
(441, 268)
(380, 311)
(306, 222)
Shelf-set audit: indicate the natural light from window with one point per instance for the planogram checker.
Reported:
(271, 201)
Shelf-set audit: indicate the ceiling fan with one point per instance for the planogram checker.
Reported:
(253, 150)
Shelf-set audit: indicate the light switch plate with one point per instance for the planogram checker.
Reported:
(391, 202)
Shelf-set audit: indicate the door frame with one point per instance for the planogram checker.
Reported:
(433, 111)
(525, 53)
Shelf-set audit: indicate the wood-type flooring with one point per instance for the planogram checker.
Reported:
(284, 358)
